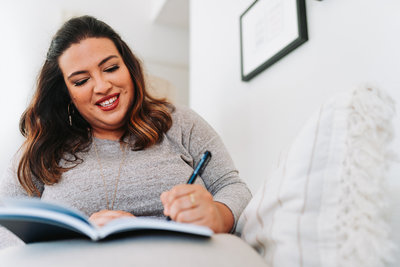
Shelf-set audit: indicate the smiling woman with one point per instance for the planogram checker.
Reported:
(98, 142)
(80, 70)
(99, 84)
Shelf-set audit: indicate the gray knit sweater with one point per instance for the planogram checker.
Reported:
(144, 176)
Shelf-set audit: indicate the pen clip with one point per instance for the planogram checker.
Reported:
(206, 158)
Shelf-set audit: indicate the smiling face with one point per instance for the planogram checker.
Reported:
(99, 84)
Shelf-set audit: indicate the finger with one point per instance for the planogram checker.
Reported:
(183, 203)
(123, 213)
(173, 200)
(104, 216)
(182, 190)
(99, 220)
(114, 213)
(165, 203)
(168, 197)
(164, 197)
(190, 215)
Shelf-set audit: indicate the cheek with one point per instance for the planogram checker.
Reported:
(126, 80)
(128, 88)
(72, 92)
(79, 96)
(130, 93)
(75, 99)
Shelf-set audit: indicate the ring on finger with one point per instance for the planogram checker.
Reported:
(192, 200)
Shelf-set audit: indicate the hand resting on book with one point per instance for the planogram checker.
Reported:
(103, 217)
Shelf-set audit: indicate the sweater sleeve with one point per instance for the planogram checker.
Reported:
(11, 188)
(220, 177)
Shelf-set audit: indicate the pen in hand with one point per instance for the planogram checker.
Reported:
(200, 167)
(198, 170)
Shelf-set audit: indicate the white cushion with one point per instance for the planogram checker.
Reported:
(324, 204)
(150, 249)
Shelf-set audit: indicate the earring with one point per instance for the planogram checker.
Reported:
(69, 115)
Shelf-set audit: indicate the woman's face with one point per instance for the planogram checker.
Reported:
(99, 84)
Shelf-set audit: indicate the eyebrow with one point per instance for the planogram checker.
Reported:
(85, 71)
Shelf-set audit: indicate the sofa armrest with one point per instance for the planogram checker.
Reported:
(140, 250)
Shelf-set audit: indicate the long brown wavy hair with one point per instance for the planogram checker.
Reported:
(45, 123)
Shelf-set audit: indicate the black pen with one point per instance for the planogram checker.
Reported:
(198, 170)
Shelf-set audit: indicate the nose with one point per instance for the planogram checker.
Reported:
(102, 85)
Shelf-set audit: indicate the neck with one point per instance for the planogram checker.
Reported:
(109, 135)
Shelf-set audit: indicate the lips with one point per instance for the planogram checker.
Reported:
(109, 102)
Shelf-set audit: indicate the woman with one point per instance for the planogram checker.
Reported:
(96, 141)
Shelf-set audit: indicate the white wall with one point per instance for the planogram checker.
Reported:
(351, 43)
(26, 28)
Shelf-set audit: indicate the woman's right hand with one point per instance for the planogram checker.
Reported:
(192, 203)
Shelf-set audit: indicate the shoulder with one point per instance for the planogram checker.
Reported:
(9, 183)
(15, 159)
(182, 121)
(187, 124)
(183, 115)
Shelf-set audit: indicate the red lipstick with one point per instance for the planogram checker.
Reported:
(113, 101)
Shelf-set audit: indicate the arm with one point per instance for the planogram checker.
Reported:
(10, 188)
(228, 193)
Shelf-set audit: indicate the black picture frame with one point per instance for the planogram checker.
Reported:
(263, 21)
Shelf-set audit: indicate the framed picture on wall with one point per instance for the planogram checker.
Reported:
(269, 30)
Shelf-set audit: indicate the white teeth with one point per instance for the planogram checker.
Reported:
(108, 102)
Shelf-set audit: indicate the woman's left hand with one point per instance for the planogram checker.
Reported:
(103, 217)
(194, 204)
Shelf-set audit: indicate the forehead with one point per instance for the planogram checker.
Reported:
(85, 54)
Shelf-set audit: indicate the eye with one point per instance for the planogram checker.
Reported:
(81, 82)
(112, 68)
